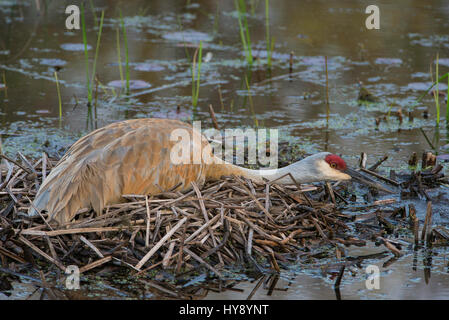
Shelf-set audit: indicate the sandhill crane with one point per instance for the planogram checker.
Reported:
(133, 157)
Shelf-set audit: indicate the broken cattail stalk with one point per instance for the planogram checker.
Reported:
(395, 183)
(391, 247)
(428, 160)
(413, 161)
(427, 224)
(290, 69)
(214, 119)
(378, 163)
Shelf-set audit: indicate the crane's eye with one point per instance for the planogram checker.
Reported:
(333, 165)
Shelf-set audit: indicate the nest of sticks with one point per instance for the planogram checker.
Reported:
(225, 222)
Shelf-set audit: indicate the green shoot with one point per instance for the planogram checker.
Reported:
(183, 39)
(119, 57)
(216, 19)
(196, 86)
(6, 87)
(327, 90)
(244, 30)
(444, 76)
(126, 52)
(267, 24)
(97, 47)
(436, 95)
(86, 54)
(89, 80)
(92, 9)
(251, 104)
(389, 111)
(59, 96)
(253, 4)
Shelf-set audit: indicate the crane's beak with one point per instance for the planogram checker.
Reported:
(357, 176)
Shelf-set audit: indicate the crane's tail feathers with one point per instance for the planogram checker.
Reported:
(63, 193)
(39, 203)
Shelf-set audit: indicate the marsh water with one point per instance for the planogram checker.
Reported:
(394, 63)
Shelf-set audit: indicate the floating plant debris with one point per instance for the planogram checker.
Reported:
(133, 84)
(53, 62)
(74, 46)
(365, 95)
(187, 36)
(149, 67)
(388, 61)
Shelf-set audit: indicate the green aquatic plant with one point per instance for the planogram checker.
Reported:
(436, 93)
(119, 57)
(92, 10)
(267, 27)
(244, 30)
(253, 4)
(427, 139)
(196, 82)
(251, 104)
(5, 86)
(327, 90)
(389, 111)
(125, 39)
(89, 80)
(59, 96)
(97, 48)
(216, 19)
(438, 80)
(86, 54)
(143, 11)
(178, 19)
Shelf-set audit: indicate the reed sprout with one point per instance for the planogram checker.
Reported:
(251, 104)
(267, 26)
(327, 90)
(216, 18)
(59, 96)
(180, 27)
(92, 10)
(125, 39)
(119, 57)
(97, 49)
(89, 80)
(436, 93)
(196, 82)
(4, 83)
(447, 104)
(444, 76)
(86, 54)
(244, 30)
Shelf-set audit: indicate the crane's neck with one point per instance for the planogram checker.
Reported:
(301, 171)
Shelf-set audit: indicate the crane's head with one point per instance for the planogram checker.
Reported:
(335, 167)
(323, 166)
